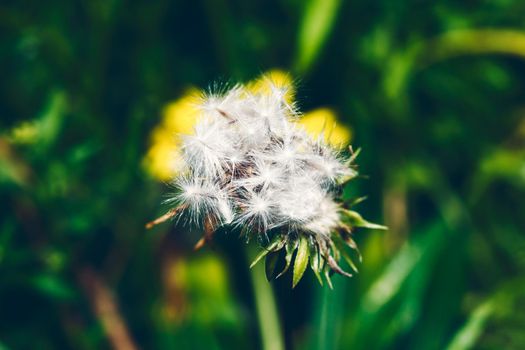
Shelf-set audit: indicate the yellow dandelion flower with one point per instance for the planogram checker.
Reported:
(276, 78)
(180, 116)
(324, 120)
(163, 158)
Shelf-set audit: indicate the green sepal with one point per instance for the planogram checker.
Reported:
(342, 246)
(316, 263)
(357, 220)
(355, 201)
(301, 261)
(354, 155)
(290, 247)
(276, 244)
(327, 276)
(270, 264)
(343, 180)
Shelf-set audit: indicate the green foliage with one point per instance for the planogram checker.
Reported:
(433, 94)
(317, 20)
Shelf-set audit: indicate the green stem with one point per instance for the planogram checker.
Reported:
(269, 324)
(329, 315)
(476, 42)
(323, 340)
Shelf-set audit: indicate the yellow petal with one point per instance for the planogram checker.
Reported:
(274, 77)
(181, 115)
(163, 160)
(324, 121)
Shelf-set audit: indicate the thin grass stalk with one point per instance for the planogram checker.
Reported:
(269, 323)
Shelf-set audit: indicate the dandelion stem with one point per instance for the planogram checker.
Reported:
(269, 323)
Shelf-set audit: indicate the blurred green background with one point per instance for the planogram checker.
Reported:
(433, 93)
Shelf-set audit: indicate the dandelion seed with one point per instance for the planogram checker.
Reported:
(258, 211)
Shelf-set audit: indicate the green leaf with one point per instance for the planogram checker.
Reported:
(301, 261)
(53, 286)
(317, 21)
(467, 336)
(52, 119)
(357, 220)
(413, 258)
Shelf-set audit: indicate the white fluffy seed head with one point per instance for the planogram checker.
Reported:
(299, 200)
(327, 217)
(202, 198)
(249, 164)
(263, 174)
(258, 211)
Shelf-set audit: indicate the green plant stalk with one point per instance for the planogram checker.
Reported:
(468, 335)
(316, 24)
(328, 315)
(269, 323)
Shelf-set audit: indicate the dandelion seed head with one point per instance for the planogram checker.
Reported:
(326, 220)
(250, 165)
(299, 201)
(258, 211)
